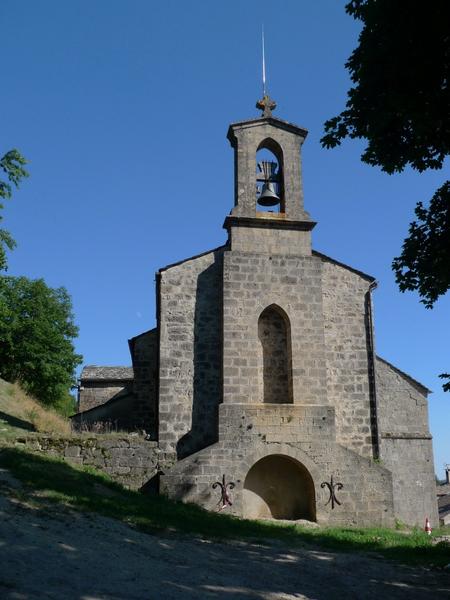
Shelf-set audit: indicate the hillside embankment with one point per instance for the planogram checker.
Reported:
(69, 531)
(51, 550)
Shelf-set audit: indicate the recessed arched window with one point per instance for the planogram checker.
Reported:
(269, 177)
(274, 333)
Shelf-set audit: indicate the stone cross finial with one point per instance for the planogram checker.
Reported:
(267, 105)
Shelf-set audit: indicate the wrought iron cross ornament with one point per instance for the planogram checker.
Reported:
(225, 499)
(331, 488)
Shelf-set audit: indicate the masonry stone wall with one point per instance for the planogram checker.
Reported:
(247, 138)
(270, 240)
(144, 354)
(402, 403)
(95, 393)
(346, 331)
(406, 444)
(116, 415)
(129, 460)
(223, 387)
(275, 337)
(281, 423)
(190, 352)
(253, 282)
(366, 496)
(411, 462)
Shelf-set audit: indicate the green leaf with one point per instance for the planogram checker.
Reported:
(36, 338)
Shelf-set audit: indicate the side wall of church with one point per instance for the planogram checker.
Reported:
(144, 354)
(190, 369)
(96, 393)
(406, 445)
(346, 329)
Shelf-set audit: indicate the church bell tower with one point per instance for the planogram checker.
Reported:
(268, 191)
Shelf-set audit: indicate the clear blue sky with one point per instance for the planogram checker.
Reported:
(122, 108)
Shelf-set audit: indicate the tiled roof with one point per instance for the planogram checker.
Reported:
(94, 373)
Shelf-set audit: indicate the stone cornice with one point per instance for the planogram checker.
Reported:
(275, 122)
(406, 436)
(271, 222)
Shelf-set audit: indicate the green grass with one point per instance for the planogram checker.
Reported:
(50, 480)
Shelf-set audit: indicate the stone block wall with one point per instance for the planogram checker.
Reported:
(411, 462)
(270, 240)
(275, 423)
(406, 444)
(116, 415)
(144, 355)
(190, 368)
(96, 393)
(347, 356)
(274, 333)
(402, 402)
(129, 460)
(366, 497)
(283, 139)
(252, 283)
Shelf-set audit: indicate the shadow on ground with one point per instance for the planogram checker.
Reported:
(48, 549)
(16, 422)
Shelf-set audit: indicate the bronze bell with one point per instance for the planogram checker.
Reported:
(268, 196)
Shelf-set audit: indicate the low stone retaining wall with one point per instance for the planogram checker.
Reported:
(130, 460)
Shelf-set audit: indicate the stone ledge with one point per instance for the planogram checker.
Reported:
(272, 222)
(406, 436)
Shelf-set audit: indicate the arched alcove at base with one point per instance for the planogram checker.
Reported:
(279, 487)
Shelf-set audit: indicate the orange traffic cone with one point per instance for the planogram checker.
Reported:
(428, 529)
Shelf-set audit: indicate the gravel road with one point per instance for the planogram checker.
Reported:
(60, 554)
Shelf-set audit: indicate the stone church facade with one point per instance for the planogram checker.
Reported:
(261, 373)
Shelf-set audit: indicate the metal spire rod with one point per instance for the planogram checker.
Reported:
(263, 63)
(266, 104)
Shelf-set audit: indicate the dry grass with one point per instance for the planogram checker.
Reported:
(19, 413)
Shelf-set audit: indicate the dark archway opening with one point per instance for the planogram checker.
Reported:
(279, 487)
(274, 333)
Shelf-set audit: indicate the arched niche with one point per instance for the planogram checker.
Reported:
(274, 333)
(279, 487)
(269, 170)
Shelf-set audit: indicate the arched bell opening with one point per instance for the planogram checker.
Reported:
(274, 333)
(279, 487)
(269, 177)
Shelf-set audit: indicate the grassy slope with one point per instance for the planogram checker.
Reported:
(49, 480)
(20, 413)
(46, 479)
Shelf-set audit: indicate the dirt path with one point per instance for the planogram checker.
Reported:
(63, 555)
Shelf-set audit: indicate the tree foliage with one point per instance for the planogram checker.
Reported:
(36, 338)
(399, 104)
(12, 164)
(424, 264)
(400, 99)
